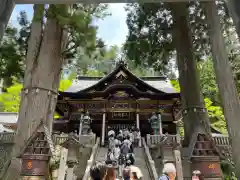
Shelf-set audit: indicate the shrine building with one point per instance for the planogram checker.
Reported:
(116, 101)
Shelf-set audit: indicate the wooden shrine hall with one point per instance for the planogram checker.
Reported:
(118, 100)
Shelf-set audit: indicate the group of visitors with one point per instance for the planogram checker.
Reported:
(120, 156)
(121, 146)
(100, 171)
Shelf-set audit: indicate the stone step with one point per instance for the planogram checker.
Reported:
(140, 161)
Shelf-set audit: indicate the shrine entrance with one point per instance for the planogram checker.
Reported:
(122, 120)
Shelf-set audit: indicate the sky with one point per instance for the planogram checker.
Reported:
(112, 29)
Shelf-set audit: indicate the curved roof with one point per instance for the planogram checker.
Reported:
(158, 84)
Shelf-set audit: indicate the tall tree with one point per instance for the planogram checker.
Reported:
(225, 81)
(233, 6)
(55, 33)
(196, 119)
(6, 8)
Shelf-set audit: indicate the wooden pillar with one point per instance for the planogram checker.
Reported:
(138, 127)
(103, 128)
(80, 127)
(160, 124)
(6, 8)
(137, 121)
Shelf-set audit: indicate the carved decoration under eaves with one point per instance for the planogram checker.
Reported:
(120, 94)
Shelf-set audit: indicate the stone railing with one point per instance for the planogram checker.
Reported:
(220, 140)
(156, 139)
(91, 159)
(84, 139)
(7, 137)
(150, 162)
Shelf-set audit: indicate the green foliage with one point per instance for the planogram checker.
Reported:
(150, 42)
(215, 113)
(10, 100)
(11, 57)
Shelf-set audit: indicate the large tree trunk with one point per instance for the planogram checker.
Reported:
(225, 81)
(6, 8)
(43, 69)
(196, 119)
(234, 9)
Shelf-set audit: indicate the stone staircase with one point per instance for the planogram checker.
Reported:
(140, 161)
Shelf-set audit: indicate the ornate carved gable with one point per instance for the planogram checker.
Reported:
(121, 75)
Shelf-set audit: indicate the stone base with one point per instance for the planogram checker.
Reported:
(167, 154)
(209, 167)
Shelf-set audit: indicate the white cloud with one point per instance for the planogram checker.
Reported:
(113, 29)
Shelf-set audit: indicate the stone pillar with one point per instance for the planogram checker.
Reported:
(63, 163)
(70, 169)
(178, 161)
(6, 8)
(160, 124)
(103, 128)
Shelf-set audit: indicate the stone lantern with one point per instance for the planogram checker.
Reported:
(85, 124)
(73, 146)
(36, 154)
(154, 121)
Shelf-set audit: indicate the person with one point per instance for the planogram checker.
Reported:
(127, 175)
(111, 133)
(125, 133)
(111, 174)
(127, 142)
(98, 171)
(131, 136)
(137, 173)
(111, 142)
(117, 152)
(169, 172)
(125, 149)
(110, 158)
(137, 137)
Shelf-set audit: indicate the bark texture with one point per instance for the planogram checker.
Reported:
(39, 96)
(196, 120)
(6, 8)
(234, 9)
(225, 80)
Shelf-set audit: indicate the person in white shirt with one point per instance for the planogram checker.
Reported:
(131, 136)
(117, 152)
(111, 133)
(125, 133)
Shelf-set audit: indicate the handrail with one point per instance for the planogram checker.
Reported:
(150, 162)
(91, 159)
